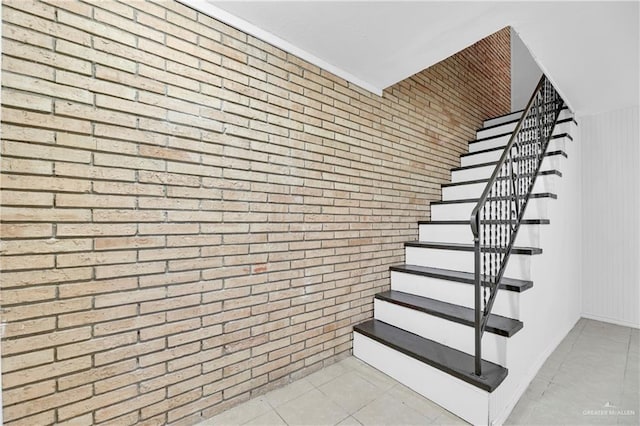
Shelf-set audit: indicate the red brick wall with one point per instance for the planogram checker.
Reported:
(191, 216)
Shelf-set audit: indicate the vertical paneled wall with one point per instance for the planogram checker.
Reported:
(611, 216)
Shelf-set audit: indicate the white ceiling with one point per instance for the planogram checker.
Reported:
(590, 50)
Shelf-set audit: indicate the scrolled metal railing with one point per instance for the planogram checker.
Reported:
(496, 218)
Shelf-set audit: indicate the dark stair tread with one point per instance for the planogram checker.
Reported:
(501, 148)
(475, 200)
(437, 355)
(515, 120)
(491, 222)
(471, 182)
(493, 163)
(564, 120)
(509, 284)
(468, 247)
(496, 324)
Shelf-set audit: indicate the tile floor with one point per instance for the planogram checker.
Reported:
(591, 378)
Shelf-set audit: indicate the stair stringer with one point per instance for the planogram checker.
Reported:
(551, 308)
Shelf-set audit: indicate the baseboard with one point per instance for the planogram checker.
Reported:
(610, 320)
(531, 374)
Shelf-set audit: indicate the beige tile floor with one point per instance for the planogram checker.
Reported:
(591, 378)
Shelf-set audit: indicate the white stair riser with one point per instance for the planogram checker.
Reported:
(567, 127)
(507, 302)
(544, 183)
(455, 395)
(553, 162)
(509, 127)
(440, 233)
(449, 333)
(519, 265)
(505, 118)
(537, 208)
(486, 157)
(528, 235)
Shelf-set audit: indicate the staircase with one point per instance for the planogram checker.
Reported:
(423, 329)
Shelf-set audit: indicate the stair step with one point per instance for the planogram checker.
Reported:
(510, 127)
(501, 148)
(546, 181)
(502, 119)
(566, 120)
(536, 209)
(455, 286)
(459, 231)
(490, 222)
(501, 140)
(483, 168)
(491, 154)
(467, 182)
(444, 358)
(497, 119)
(493, 126)
(468, 247)
(509, 284)
(496, 324)
(470, 200)
(493, 163)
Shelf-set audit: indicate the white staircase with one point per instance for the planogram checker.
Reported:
(422, 333)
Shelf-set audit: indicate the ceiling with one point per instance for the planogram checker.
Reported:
(590, 50)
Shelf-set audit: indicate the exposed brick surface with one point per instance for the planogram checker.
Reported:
(191, 216)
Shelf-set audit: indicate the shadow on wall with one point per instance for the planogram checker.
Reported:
(525, 72)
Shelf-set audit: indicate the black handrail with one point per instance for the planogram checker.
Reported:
(496, 218)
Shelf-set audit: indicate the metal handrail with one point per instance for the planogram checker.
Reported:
(496, 217)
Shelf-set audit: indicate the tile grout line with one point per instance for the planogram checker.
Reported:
(626, 364)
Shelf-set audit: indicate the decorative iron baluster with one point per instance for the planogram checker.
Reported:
(496, 218)
(485, 266)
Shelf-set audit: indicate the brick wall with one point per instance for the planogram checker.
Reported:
(190, 215)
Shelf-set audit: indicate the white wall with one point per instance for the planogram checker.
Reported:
(525, 73)
(611, 216)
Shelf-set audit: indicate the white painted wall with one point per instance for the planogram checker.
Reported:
(525, 73)
(611, 216)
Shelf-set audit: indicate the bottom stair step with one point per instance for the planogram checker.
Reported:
(444, 358)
